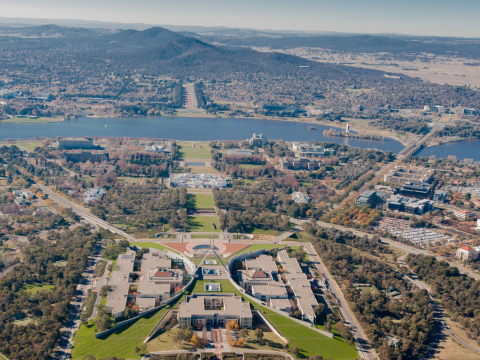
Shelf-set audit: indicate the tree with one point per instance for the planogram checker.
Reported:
(316, 357)
(258, 333)
(137, 350)
(243, 333)
(104, 290)
(294, 350)
(129, 313)
(105, 322)
(144, 348)
(328, 326)
(89, 357)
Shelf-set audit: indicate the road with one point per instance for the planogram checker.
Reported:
(361, 340)
(440, 323)
(406, 248)
(65, 343)
(7, 271)
(82, 212)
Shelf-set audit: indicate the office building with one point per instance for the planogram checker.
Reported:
(158, 149)
(439, 196)
(300, 285)
(258, 140)
(371, 198)
(300, 164)
(85, 156)
(214, 310)
(75, 143)
(305, 149)
(400, 175)
(410, 205)
(416, 189)
(143, 283)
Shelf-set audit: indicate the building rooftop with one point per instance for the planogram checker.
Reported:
(270, 289)
(262, 262)
(467, 248)
(230, 305)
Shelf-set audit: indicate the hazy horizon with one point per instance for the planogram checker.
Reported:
(424, 18)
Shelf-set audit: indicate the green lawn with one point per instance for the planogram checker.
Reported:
(153, 245)
(200, 201)
(34, 288)
(30, 120)
(202, 224)
(200, 151)
(266, 232)
(29, 145)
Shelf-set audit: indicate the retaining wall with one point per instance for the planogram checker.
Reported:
(270, 325)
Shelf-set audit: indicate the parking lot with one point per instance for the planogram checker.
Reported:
(419, 236)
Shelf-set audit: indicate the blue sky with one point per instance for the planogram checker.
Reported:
(417, 17)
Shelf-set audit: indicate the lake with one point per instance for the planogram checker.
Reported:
(465, 149)
(187, 128)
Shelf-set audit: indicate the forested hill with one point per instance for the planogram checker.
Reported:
(147, 38)
(189, 56)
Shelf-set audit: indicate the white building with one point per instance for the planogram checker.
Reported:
(304, 149)
(258, 140)
(300, 197)
(198, 181)
(468, 253)
(157, 149)
(93, 194)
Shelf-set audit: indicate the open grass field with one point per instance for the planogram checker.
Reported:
(120, 343)
(153, 245)
(202, 224)
(29, 145)
(200, 151)
(29, 120)
(200, 201)
(34, 288)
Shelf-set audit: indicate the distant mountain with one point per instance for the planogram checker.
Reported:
(356, 44)
(52, 31)
(146, 38)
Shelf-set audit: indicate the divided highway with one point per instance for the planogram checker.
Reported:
(83, 213)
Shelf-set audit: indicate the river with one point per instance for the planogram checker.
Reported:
(187, 128)
(465, 149)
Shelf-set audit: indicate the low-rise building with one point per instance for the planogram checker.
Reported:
(144, 282)
(439, 196)
(301, 286)
(468, 253)
(85, 156)
(214, 310)
(258, 140)
(44, 96)
(410, 205)
(464, 214)
(262, 262)
(371, 198)
(300, 164)
(75, 143)
(240, 152)
(300, 197)
(9, 93)
(158, 149)
(416, 189)
(281, 304)
(92, 194)
(305, 149)
(199, 181)
(401, 175)
(270, 291)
